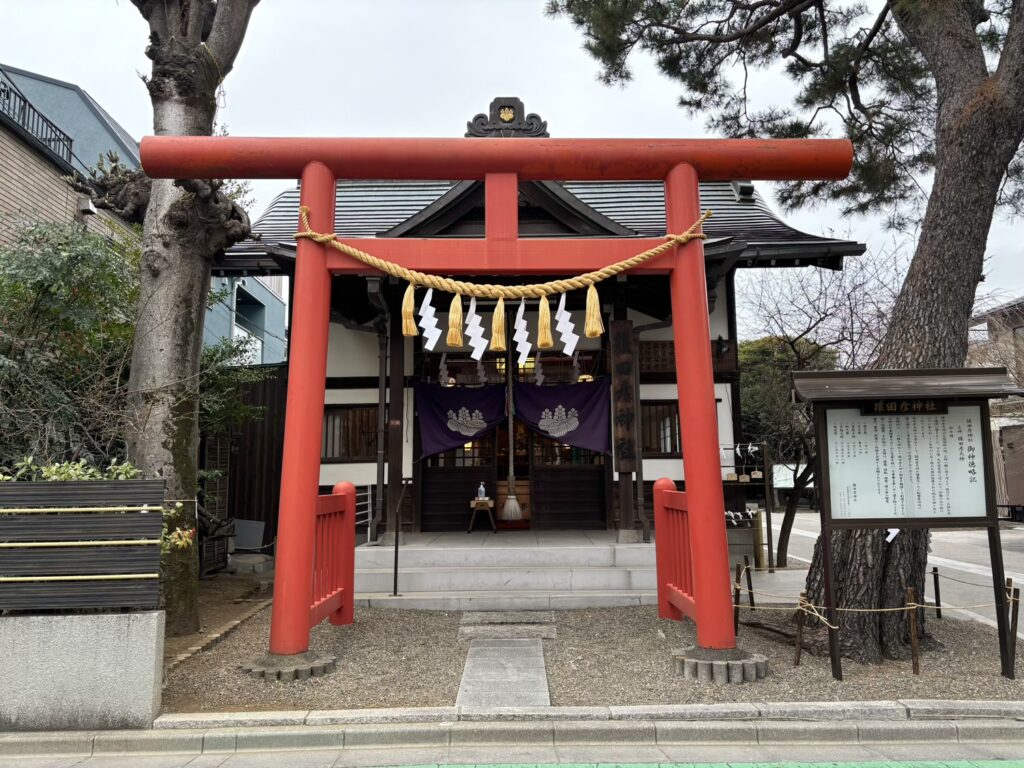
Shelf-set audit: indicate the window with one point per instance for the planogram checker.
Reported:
(660, 426)
(350, 433)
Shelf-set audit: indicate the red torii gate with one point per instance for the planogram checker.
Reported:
(690, 522)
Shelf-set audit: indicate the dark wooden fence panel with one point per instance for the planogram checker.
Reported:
(57, 552)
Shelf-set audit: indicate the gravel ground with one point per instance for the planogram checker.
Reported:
(387, 658)
(622, 656)
(606, 656)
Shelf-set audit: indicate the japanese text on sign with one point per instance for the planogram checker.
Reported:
(926, 465)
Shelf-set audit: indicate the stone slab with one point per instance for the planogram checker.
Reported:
(507, 617)
(503, 631)
(942, 709)
(833, 710)
(708, 732)
(229, 719)
(818, 732)
(290, 737)
(881, 731)
(987, 731)
(471, 714)
(504, 673)
(76, 672)
(127, 742)
(399, 735)
(78, 743)
(463, 734)
(382, 716)
(609, 732)
(685, 712)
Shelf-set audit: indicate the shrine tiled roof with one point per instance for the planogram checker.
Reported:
(370, 208)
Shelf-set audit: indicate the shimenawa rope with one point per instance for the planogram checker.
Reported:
(594, 325)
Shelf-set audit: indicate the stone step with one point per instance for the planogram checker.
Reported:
(507, 617)
(507, 600)
(507, 632)
(475, 555)
(442, 578)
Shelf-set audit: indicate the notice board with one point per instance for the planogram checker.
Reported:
(906, 465)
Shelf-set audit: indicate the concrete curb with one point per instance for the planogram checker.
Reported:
(814, 711)
(536, 733)
(442, 727)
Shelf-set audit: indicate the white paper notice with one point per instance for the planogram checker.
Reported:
(900, 466)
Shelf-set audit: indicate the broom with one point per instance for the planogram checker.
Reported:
(511, 510)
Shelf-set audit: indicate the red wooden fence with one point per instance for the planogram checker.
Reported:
(334, 557)
(674, 557)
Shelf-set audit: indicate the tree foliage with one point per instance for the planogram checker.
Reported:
(67, 318)
(67, 325)
(850, 64)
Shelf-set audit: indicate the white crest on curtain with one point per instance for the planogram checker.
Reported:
(466, 423)
(561, 422)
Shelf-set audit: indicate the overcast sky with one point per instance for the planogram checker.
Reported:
(403, 68)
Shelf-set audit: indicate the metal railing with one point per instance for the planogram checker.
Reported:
(14, 104)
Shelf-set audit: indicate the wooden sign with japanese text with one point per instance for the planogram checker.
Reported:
(623, 395)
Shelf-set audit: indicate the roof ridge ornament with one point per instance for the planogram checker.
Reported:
(507, 118)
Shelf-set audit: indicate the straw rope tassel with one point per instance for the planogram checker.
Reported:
(408, 308)
(498, 327)
(595, 325)
(455, 322)
(544, 340)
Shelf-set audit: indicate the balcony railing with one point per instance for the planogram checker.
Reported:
(15, 106)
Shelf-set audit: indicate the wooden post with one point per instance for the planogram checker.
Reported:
(750, 581)
(938, 598)
(736, 598)
(396, 409)
(1014, 616)
(911, 600)
(1009, 592)
(801, 617)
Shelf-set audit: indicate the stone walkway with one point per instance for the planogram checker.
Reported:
(504, 673)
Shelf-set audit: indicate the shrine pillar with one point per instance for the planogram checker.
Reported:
(698, 418)
(303, 425)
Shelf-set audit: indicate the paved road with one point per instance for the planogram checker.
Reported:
(961, 555)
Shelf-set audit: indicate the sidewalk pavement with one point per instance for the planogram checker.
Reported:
(769, 732)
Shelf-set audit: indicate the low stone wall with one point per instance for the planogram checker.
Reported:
(73, 672)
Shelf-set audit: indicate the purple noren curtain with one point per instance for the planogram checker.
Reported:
(452, 416)
(574, 414)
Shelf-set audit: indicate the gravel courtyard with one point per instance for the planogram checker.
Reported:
(608, 656)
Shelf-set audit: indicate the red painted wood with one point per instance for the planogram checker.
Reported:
(235, 157)
(300, 472)
(699, 421)
(539, 256)
(345, 544)
(665, 551)
(682, 602)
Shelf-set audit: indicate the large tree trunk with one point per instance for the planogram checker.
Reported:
(979, 128)
(193, 46)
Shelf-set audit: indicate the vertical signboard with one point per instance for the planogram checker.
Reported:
(623, 395)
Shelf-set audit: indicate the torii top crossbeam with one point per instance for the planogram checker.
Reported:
(230, 157)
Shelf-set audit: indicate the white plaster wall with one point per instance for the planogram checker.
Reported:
(354, 353)
(673, 468)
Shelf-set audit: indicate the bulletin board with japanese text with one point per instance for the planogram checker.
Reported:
(906, 462)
